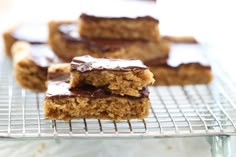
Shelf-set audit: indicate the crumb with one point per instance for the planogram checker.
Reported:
(39, 149)
(169, 147)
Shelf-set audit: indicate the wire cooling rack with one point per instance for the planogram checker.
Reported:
(194, 110)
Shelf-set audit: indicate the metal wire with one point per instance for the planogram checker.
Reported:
(195, 110)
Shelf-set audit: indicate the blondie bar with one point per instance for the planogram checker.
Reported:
(30, 64)
(119, 76)
(86, 101)
(94, 27)
(187, 64)
(67, 43)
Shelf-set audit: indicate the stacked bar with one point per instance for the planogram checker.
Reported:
(94, 89)
(131, 38)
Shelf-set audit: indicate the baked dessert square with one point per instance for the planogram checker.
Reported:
(30, 65)
(87, 101)
(33, 33)
(187, 64)
(65, 41)
(95, 27)
(118, 76)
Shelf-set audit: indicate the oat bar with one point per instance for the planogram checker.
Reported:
(94, 27)
(119, 76)
(187, 64)
(30, 65)
(67, 43)
(87, 101)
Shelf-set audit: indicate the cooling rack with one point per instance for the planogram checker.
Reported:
(176, 111)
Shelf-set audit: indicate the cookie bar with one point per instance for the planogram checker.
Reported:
(119, 76)
(28, 32)
(87, 101)
(94, 27)
(66, 43)
(187, 64)
(30, 64)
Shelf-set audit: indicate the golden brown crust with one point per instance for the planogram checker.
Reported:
(59, 68)
(114, 108)
(123, 28)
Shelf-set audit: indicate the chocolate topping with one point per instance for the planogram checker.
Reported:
(70, 34)
(58, 86)
(97, 18)
(187, 54)
(182, 54)
(43, 56)
(32, 33)
(88, 63)
(156, 61)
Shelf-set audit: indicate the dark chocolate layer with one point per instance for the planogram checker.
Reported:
(97, 18)
(156, 61)
(31, 33)
(183, 54)
(70, 34)
(88, 63)
(187, 54)
(43, 56)
(58, 86)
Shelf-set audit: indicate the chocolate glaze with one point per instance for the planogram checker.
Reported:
(97, 18)
(69, 33)
(88, 63)
(156, 61)
(59, 86)
(183, 54)
(32, 33)
(43, 56)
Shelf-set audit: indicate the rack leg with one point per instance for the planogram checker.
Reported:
(220, 146)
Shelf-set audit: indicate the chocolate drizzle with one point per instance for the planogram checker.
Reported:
(88, 63)
(156, 61)
(96, 18)
(182, 54)
(187, 54)
(31, 33)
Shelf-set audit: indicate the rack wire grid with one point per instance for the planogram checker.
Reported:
(192, 110)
